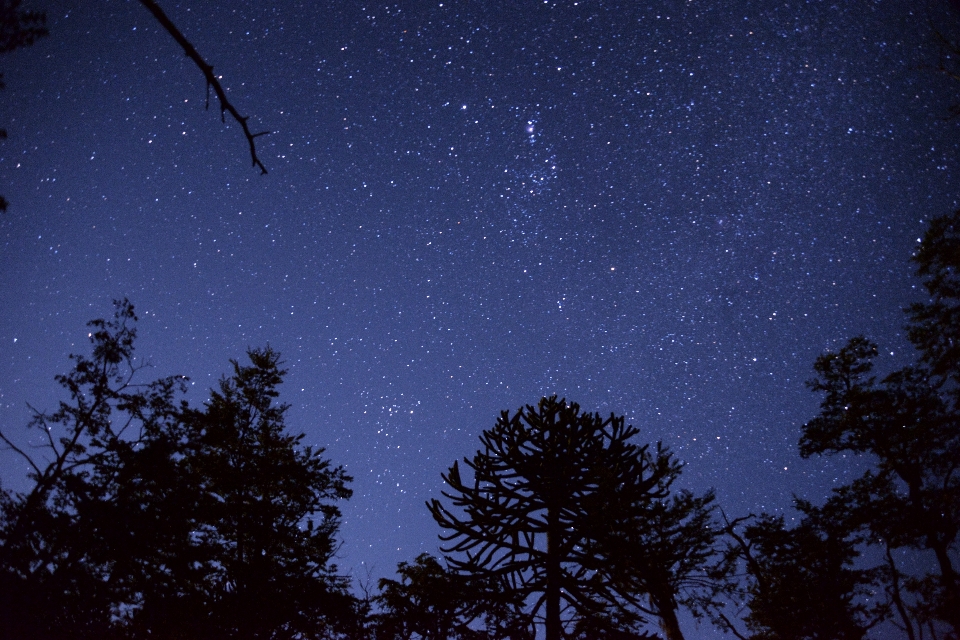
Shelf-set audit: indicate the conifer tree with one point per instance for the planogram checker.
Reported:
(269, 513)
(540, 514)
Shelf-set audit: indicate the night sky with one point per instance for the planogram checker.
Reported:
(663, 209)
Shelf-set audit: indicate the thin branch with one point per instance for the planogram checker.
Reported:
(895, 591)
(730, 627)
(48, 431)
(16, 449)
(212, 81)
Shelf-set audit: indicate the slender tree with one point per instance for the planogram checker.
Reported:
(660, 552)
(545, 479)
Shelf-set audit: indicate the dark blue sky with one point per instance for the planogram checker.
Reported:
(662, 209)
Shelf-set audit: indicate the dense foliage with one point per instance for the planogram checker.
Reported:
(802, 582)
(152, 518)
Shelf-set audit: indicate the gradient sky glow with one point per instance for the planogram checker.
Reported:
(664, 209)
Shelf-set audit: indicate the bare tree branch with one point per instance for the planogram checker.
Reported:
(212, 81)
(12, 447)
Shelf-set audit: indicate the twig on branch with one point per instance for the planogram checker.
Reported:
(207, 69)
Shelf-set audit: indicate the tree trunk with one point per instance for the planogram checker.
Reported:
(553, 575)
(895, 594)
(948, 576)
(666, 606)
(939, 536)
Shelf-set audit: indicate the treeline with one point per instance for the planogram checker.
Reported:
(150, 518)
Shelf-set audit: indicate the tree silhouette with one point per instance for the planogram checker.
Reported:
(149, 518)
(934, 327)
(659, 552)
(19, 28)
(546, 487)
(58, 537)
(212, 81)
(909, 423)
(269, 512)
(804, 582)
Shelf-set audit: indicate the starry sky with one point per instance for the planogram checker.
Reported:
(663, 208)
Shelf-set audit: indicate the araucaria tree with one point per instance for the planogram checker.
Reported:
(555, 494)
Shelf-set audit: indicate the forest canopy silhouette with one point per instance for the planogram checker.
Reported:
(148, 517)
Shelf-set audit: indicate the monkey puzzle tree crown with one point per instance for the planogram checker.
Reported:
(544, 483)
